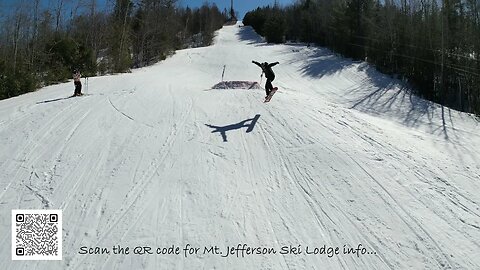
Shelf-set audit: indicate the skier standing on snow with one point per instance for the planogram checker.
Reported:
(77, 83)
(267, 69)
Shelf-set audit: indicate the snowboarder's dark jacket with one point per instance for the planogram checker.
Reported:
(267, 69)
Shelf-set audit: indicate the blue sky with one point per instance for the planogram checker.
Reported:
(241, 6)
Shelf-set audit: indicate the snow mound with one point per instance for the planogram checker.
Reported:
(237, 85)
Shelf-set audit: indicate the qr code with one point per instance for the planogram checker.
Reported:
(36, 234)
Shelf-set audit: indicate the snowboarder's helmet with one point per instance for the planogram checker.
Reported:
(265, 63)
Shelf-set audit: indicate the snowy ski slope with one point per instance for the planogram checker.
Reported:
(341, 156)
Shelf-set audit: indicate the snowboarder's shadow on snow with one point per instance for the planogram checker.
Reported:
(223, 130)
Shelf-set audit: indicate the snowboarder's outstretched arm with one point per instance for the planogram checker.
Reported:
(273, 64)
(256, 63)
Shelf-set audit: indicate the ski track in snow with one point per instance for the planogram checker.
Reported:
(342, 155)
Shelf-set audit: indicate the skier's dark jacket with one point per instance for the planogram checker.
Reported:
(267, 69)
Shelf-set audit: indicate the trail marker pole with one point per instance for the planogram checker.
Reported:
(223, 72)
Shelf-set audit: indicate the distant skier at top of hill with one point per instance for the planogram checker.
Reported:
(269, 74)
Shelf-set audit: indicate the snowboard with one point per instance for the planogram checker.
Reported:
(269, 97)
(81, 95)
(64, 98)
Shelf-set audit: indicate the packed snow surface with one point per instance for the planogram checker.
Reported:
(342, 156)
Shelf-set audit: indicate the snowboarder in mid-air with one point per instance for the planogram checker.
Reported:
(77, 83)
(269, 74)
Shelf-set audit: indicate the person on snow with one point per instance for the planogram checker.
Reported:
(267, 69)
(77, 83)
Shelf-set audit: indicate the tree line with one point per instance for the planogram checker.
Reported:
(42, 45)
(433, 45)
